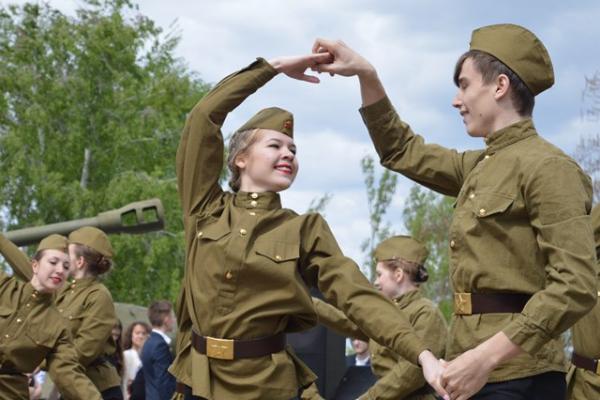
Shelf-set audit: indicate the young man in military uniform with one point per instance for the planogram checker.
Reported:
(522, 257)
(584, 374)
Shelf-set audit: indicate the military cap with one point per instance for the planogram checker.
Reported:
(401, 247)
(274, 118)
(54, 242)
(93, 238)
(596, 224)
(520, 50)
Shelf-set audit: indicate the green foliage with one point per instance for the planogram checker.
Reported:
(379, 196)
(427, 217)
(91, 112)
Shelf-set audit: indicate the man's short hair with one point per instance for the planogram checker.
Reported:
(490, 68)
(158, 311)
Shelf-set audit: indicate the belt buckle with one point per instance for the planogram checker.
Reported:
(462, 304)
(219, 348)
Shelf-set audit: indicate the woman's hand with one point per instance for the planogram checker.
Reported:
(296, 66)
(432, 371)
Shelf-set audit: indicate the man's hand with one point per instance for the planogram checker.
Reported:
(432, 372)
(296, 66)
(346, 61)
(468, 373)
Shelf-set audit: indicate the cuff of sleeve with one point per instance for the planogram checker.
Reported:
(373, 112)
(411, 345)
(526, 335)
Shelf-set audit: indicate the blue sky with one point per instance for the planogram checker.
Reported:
(413, 45)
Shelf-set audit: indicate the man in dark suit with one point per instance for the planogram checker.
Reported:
(156, 355)
(361, 356)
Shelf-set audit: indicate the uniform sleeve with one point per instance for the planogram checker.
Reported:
(96, 325)
(67, 373)
(558, 198)
(200, 152)
(400, 150)
(334, 319)
(345, 287)
(405, 377)
(19, 262)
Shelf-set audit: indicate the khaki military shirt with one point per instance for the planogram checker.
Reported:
(90, 313)
(585, 384)
(250, 262)
(32, 331)
(521, 224)
(89, 309)
(398, 378)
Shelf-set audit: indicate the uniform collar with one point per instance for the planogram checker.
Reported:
(254, 200)
(33, 295)
(405, 299)
(83, 282)
(509, 135)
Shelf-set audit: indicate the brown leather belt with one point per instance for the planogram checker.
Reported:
(10, 371)
(590, 364)
(485, 303)
(230, 349)
(181, 387)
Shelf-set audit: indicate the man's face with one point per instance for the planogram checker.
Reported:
(475, 101)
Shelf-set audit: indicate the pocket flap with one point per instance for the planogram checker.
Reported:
(278, 251)
(486, 204)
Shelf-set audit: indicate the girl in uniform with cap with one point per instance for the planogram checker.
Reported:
(87, 306)
(32, 330)
(400, 271)
(250, 262)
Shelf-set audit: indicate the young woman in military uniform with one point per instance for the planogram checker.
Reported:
(31, 329)
(250, 261)
(522, 257)
(400, 271)
(87, 306)
(584, 374)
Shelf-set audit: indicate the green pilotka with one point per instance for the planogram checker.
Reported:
(398, 379)
(584, 384)
(87, 307)
(250, 263)
(33, 332)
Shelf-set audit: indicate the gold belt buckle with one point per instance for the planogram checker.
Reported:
(219, 348)
(462, 304)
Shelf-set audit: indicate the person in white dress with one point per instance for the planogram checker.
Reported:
(133, 341)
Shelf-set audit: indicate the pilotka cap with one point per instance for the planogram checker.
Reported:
(401, 247)
(93, 238)
(274, 118)
(520, 50)
(54, 242)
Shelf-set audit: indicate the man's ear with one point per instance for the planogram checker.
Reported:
(502, 86)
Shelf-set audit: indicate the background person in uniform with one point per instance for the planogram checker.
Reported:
(134, 338)
(361, 356)
(522, 257)
(399, 273)
(156, 354)
(584, 373)
(32, 329)
(250, 262)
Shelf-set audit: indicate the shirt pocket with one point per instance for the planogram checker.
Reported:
(491, 205)
(5, 312)
(278, 252)
(277, 262)
(211, 229)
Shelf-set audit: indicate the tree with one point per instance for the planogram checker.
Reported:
(587, 152)
(91, 112)
(427, 217)
(379, 196)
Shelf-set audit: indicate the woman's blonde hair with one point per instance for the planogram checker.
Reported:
(416, 272)
(238, 144)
